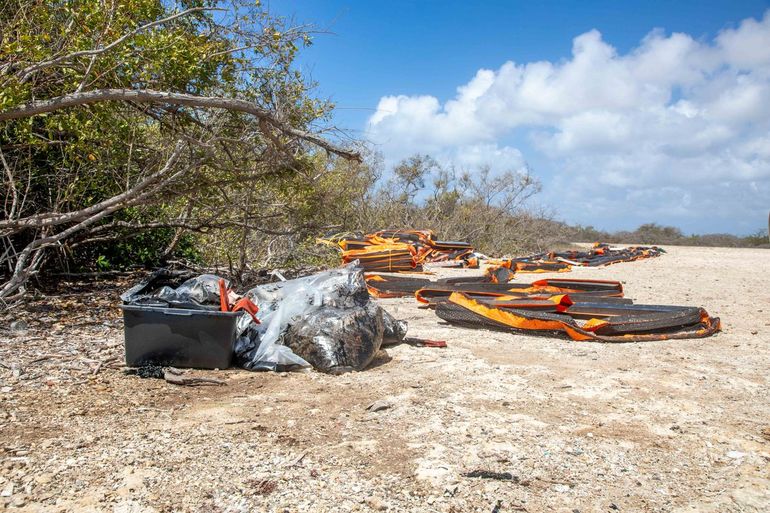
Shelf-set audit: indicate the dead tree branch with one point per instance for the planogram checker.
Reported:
(53, 219)
(36, 107)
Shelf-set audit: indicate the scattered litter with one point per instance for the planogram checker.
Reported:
(488, 474)
(177, 377)
(599, 255)
(146, 371)
(423, 342)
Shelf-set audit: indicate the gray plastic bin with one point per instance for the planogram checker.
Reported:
(178, 337)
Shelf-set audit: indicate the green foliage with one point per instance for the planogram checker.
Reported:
(485, 208)
(102, 263)
(74, 158)
(652, 233)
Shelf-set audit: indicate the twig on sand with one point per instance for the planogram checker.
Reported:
(176, 377)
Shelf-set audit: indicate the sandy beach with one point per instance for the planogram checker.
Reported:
(668, 426)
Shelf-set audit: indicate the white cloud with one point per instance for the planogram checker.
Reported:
(475, 156)
(667, 127)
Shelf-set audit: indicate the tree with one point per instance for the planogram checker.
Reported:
(482, 206)
(142, 118)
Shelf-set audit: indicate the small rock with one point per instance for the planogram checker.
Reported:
(43, 478)
(376, 504)
(379, 406)
(736, 455)
(7, 491)
(614, 506)
(561, 488)
(19, 326)
(754, 332)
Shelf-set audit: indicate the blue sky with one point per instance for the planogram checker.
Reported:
(393, 66)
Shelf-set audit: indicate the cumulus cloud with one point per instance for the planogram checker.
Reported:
(677, 128)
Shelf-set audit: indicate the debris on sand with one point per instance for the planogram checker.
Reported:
(326, 320)
(581, 309)
(600, 254)
(400, 250)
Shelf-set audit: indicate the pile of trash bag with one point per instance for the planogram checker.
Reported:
(326, 320)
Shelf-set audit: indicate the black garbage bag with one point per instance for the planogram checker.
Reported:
(337, 340)
(165, 288)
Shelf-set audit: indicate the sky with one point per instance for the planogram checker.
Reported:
(627, 112)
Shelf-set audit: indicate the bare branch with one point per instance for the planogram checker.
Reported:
(52, 219)
(11, 185)
(159, 97)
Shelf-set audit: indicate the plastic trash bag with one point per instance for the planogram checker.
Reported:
(143, 291)
(281, 304)
(198, 293)
(337, 340)
(251, 354)
(393, 330)
(202, 290)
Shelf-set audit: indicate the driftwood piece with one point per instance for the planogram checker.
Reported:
(176, 377)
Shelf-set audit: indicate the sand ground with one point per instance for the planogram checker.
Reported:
(580, 426)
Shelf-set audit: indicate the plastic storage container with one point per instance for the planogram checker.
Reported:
(178, 337)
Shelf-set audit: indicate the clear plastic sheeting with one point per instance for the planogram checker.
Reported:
(336, 300)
